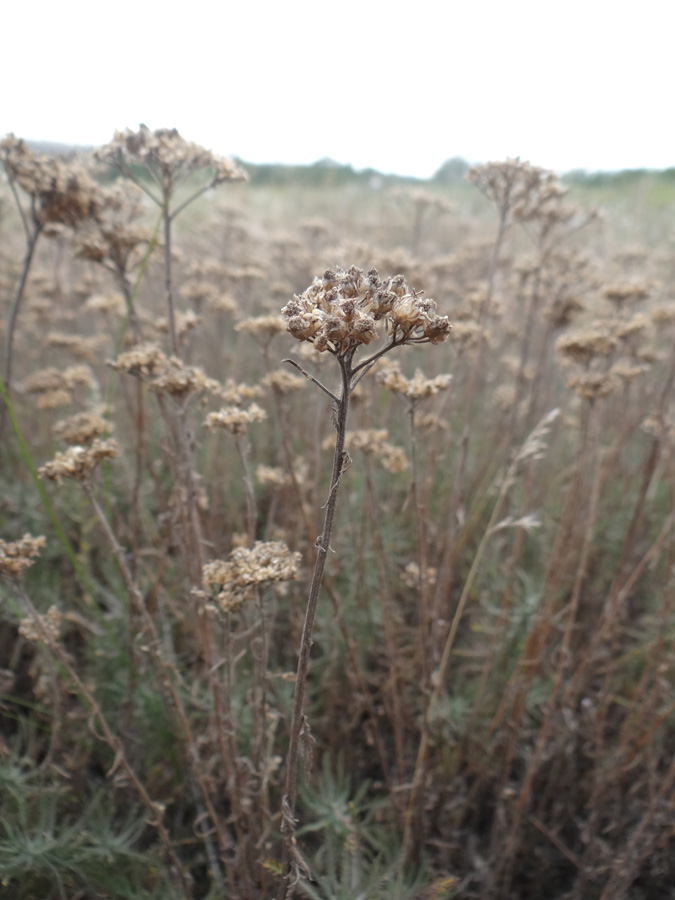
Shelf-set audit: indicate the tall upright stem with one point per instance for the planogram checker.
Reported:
(31, 243)
(323, 546)
(168, 278)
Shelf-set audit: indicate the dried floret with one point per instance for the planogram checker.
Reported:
(271, 476)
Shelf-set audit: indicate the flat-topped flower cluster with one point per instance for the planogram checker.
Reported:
(341, 310)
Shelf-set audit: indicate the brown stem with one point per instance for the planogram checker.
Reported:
(323, 546)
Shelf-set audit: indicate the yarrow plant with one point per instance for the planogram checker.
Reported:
(340, 313)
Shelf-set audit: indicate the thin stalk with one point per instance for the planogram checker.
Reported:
(31, 241)
(323, 545)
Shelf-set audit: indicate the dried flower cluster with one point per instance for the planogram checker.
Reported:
(165, 375)
(181, 381)
(78, 462)
(271, 476)
(411, 575)
(237, 580)
(415, 388)
(342, 310)
(61, 193)
(373, 442)
(143, 360)
(114, 238)
(524, 190)
(48, 629)
(235, 419)
(263, 328)
(82, 428)
(54, 386)
(167, 155)
(15, 556)
(582, 346)
(284, 382)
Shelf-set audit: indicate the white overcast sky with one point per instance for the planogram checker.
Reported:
(399, 86)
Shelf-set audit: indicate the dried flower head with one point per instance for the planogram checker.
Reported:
(181, 381)
(411, 575)
(167, 156)
(415, 388)
(284, 382)
(238, 579)
(591, 385)
(143, 359)
(46, 631)
(626, 293)
(15, 556)
(343, 310)
(235, 419)
(51, 379)
(61, 193)
(582, 346)
(373, 442)
(237, 394)
(263, 328)
(271, 476)
(78, 462)
(82, 428)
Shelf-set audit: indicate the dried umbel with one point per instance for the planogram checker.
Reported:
(78, 462)
(15, 556)
(52, 379)
(272, 477)
(373, 442)
(284, 382)
(583, 346)
(518, 188)
(626, 293)
(182, 381)
(411, 575)
(235, 419)
(82, 428)
(263, 328)
(143, 360)
(168, 156)
(415, 388)
(343, 310)
(47, 631)
(60, 193)
(238, 579)
(114, 237)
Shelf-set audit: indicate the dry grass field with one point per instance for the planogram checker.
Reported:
(336, 530)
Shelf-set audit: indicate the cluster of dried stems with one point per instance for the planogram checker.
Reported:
(491, 618)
